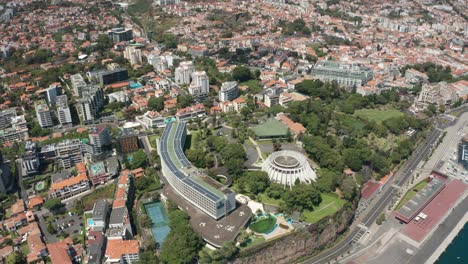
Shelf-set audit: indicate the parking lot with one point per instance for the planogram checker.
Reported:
(63, 224)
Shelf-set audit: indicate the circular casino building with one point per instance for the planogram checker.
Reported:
(286, 166)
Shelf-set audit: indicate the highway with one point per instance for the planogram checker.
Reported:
(389, 192)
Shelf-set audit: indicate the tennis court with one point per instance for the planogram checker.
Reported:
(160, 228)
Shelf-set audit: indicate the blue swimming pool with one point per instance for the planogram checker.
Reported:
(160, 228)
(134, 85)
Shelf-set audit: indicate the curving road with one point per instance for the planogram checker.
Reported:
(385, 199)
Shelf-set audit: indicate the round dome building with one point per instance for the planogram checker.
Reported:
(286, 166)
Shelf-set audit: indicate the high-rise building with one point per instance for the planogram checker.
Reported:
(30, 158)
(51, 93)
(128, 141)
(120, 34)
(167, 2)
(63, 110)
(229, 91)
(44, 114)
(345, 74)
(99, 136)
(109, 76)
(90, 103)
(6, 116)
(17, 132)
(133, 55)
(184, 72)
(160, 63)
(200, 85)
(463, 152)
(68, 153)
(78, 84)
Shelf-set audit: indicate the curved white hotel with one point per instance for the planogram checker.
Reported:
(287, 166)
(206, 194)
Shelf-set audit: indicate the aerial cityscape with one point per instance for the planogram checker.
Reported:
(259, 131)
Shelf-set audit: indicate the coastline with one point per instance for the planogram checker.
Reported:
(448, 240)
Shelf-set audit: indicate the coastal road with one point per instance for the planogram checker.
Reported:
(384, 200)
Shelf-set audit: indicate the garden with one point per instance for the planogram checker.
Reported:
(263, 224)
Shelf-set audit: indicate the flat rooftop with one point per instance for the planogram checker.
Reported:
(417, 203)
(215, 232)
(271, 128)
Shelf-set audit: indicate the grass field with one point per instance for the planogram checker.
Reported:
(411, 193)
(152, 139)
(267, 200)
(329, 205)
(264, 224)
(107, 192)
(254, 85)
(377, 115)
(253, 240)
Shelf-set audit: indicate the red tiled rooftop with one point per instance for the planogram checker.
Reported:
(369, 189)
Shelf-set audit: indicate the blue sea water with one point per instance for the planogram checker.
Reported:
(457, 251)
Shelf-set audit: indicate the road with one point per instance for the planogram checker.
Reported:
(385, 198)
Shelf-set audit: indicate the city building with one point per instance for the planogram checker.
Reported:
(68, 187)
(463, 152)
(109, 76)
(100, 215)
(128, 141)
(51, 93)
(190, 112)
(99, 136)
(229, 91)
(200, 85)
(214, 199)
(90, 103)
(30, 158)
(184, 72)
(161, 63)
(344, 74)
(63, 110)
(67, 153)
(151, 119)
(6, 116)
(120, 34)
(437, 94)
(96, 245)
(133, 55)
(296, 128)
(120, 251)
(78, 84)
(166, 2)
(44, 114)
(64, 251)
(17, 132)
(287, 167)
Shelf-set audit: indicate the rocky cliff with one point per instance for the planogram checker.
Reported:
(300, 243)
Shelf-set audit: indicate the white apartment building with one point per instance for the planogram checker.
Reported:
(184, 72)
(133, 55)
(78, 84)
(229, 91)
(200, 85)
(44, 114)
(63, 110)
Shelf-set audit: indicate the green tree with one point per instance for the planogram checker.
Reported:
(53, 204)
(302, 197)
(138, 159)
(156, 103)
(145, 221)
(242, 74)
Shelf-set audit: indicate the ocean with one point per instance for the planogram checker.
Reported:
(457, 251)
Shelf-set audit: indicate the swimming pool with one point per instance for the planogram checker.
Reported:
(160, 228)
(134, 85)
(90, 222)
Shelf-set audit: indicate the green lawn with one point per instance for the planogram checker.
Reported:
(253, 240)
(377, 115)
(412, 193)
(329, 205)
(270, 128)
(152, 139)
(264, 224)
(106, 192)
(267, 200)
(253, 85)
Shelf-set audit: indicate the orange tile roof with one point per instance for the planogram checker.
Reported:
(117, 247)
(81, 168)
(35, 247)
(58, 251)
(123, 179)
(18, 207)
(296, 128)
(386, 178)
(121, 193)
(34, 201)
(118, 203)
(69, 182)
